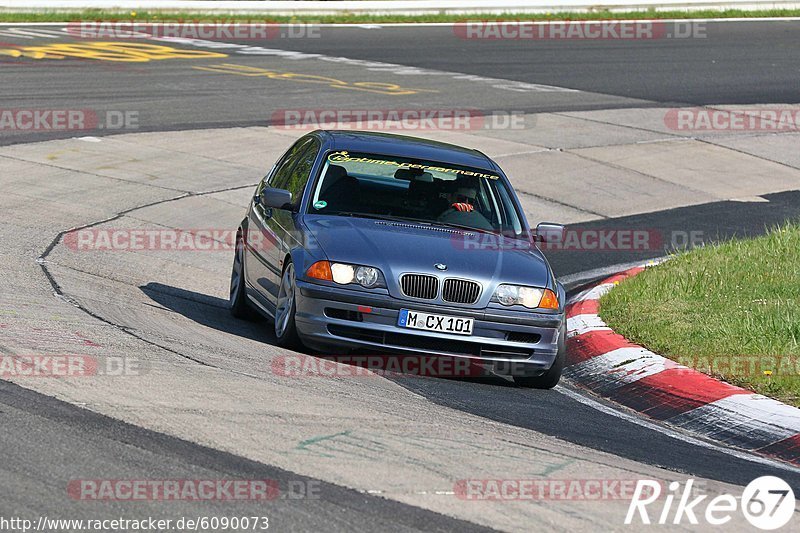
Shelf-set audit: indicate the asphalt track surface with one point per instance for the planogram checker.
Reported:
(47, 442)
(726, 63)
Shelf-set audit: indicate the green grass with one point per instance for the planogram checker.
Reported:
(165, 16)
(730, 310)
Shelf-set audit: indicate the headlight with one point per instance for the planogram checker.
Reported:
(530, 297)
(367, 276)
(344, 274)
(507, 294)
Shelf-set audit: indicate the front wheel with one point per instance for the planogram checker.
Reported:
(549, 379)
(237, 302)
(285, 328)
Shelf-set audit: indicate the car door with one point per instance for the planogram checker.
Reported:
(284, 222)
(272, 230)
(261, 267)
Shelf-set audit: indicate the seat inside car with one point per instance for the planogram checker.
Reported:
(423, 193)
(341, 191)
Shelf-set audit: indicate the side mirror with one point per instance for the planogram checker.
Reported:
(277, 198)
(548, 232)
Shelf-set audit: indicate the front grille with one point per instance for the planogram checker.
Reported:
(460, 291)
(419, 286)
(433, 344)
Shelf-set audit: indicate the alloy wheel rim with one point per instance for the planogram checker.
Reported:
(285, 302)
(236, 273)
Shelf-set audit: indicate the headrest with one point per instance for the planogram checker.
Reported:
(413, 174)
(408, 173)
(467, 192)
(335, 172)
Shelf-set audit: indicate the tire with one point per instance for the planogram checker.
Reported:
(549, 379)
(285, 309)
(237, 301)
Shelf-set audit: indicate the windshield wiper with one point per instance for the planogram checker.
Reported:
(383, 217)
(464, 227)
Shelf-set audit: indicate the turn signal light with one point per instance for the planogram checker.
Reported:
(320, 270)
(549, 300)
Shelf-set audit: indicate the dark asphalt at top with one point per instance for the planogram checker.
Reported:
(736, 63)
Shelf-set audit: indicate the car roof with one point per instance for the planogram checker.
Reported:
(373, 142)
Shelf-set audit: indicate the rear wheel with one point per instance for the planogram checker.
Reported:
(549, 379)
(237, 301)
(285, 328)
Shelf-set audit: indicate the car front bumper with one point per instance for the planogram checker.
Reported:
(504, 341)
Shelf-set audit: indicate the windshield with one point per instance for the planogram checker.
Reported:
(357, 184)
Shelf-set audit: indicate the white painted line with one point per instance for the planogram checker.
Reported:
(732, 19)
(634, 419)
(750, 199)
(374, 66)
(550, 22)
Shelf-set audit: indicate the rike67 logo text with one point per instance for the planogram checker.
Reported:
(767, 503)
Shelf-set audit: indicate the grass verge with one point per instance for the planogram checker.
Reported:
(730, 310)
(354, 18)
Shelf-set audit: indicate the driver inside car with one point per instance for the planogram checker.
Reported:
(462, 209)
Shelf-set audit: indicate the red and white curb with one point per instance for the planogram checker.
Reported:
(609, 365)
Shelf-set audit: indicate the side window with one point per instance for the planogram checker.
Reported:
(301, 171)
(281, 175)
(265, 180)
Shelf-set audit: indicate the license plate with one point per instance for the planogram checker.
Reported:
(429, 322)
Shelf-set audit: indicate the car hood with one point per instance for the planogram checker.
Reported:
(400, 247)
